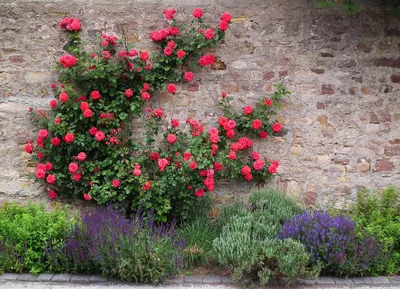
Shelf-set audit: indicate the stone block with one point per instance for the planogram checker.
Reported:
(384, 165)
(9, 277)
(380, 280)
(212, 279)
(343, 281)
(395, 279)
(97, 279)
(362, 281)
(193, 279)
(27, 277)
(227, 280)
(44, 277)
(175, 280)
(62, 278)
(80, 279)
(325, 281)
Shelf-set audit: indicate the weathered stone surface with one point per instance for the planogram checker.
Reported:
(344, 83)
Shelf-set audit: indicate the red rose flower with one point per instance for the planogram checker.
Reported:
(146, 86)
(145, 96)
(81, 156)
(258, 164)
(257, 124)
(197, 13)
(84, 105)
(147, 186)
(128, 92)
(55, 141)
(69, 137)
(230, 133)
(63, 96)
(171, 138)
(87, 197)
(51, 179)
(40, 155)
(246, 170)
(187, 156)
(115, 183)
(53, 103)
(255, 155)
(106, 55)
(223, 25)
(168, 51)
(203, 173)
(93, 131)
(136, 170)
(207, 59)
(174, 122)
(57, 120)
(43, 134)
(171, 88)
(29, 148)
(193, 165)
(272, 169)
(199, 193)
(174, 31)
(88, 113)
(154, 156)
(248, 177)
(263, 134)
(180, 53)
(148, 66)
(226, 17)
(99, 136)
(223, 95)
(144, 55)
(77, 177)
(267, 102)
(188, 76)
(209, 34)
(232, 155)
(162, 164)
(209, 184)
(95, 94)
(277, 127)
(40, 174)
(217, 166)
(68, 60)
(171, 44)
(52, 194)
(214, 138)
(73, 167)
(48, 166)
(248, 110)
(169, 13)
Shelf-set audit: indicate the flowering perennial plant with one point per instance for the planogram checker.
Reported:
(84, 147)
(333, 241)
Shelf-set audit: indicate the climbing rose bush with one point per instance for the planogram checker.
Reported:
(84, 147)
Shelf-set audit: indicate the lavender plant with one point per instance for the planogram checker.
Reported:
(137, 250)
(334, 241)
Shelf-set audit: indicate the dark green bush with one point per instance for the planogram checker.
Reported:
(248, 241)
(24, 232)
(379, 215)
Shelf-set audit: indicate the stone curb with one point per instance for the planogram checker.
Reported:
(208, 279)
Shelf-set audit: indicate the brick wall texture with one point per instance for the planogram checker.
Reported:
(342, 121)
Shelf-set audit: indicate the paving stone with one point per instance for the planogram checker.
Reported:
(212, 279)
(97, 279)
(325, 281)
(227, 280)
(27, 277)
(44, 277)
(61, 278)
(9, 277)
(80, 279)
(175, 280)
(193, 279)
(380, 280)
(362, 281)
(394, 279)
(306, 281)
(343, 281)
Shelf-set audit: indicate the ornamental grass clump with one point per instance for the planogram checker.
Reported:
(333, 241)
(85, 147)
(136, 250)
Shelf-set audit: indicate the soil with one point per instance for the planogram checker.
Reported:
(210, 269)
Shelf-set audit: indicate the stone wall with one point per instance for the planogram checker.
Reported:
(341, 122)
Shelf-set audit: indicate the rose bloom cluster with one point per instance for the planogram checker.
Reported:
(101, 135)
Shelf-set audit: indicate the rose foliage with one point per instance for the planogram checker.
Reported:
(84, 147)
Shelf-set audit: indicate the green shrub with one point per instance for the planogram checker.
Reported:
(248, 241)
(379, 215)
(24, 231)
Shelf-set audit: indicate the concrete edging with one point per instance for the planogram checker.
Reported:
(207, 279)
